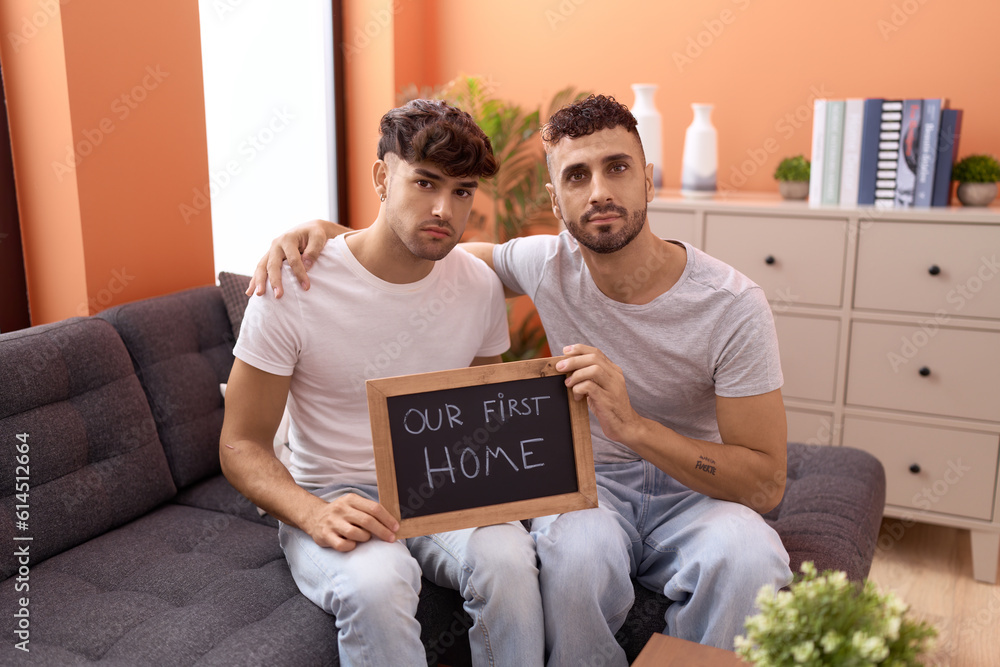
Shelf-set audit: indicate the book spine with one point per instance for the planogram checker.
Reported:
(930, 120)
(850, 167)
(816, 164)
(833, 152)
(909, 153)
(888, 157)
(869, 151)
(948, 136)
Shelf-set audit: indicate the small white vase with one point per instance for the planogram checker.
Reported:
(701, 156)
(650, 127)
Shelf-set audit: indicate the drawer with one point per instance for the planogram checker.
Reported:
(795, 261)
(887, 364)
(810, 428)
(929, 268)
(676, 225)
(929, 468)
(808, 347)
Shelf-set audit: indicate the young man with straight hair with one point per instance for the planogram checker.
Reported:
(371, 292)
(676, 355)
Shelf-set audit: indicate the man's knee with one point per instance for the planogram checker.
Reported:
(587, 545)
(586, 531)
(503, 547)
(382, 580)
(747, 545)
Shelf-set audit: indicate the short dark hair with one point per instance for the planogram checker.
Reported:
(584, 117)
(434, 131)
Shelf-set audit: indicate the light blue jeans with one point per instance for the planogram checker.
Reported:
(710, 557)
(373, 590)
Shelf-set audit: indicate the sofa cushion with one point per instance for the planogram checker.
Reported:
(832, 508)
(234, 287)
(93, 459)
(163, 590)
(218, 495)
(159, 591)
(182, 349)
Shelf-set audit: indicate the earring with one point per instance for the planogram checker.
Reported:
(381, 197)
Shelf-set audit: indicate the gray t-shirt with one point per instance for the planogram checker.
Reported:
(710, 334)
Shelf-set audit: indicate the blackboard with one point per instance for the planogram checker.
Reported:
(481, 445)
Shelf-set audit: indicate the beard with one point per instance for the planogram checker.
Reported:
(599, 238)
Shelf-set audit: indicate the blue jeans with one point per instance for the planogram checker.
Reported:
(708, 556)
(373, 590)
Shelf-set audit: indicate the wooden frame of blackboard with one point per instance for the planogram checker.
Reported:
(380, 390)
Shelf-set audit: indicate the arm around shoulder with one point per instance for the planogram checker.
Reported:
(300, 247)
(484, 251)
(480, 249)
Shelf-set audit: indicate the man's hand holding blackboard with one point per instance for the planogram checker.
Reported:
(349, 519)
(591, 375)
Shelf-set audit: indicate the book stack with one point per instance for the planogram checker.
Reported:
(883, 153)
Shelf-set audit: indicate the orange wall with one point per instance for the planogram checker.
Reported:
(387, 46)
(760, 63)
(108, 135)
(369, 91)
(41, 129)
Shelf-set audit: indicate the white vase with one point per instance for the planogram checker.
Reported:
(701, 154)
(650, 127)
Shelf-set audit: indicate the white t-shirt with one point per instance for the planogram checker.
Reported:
(710, 334)
(350, 327)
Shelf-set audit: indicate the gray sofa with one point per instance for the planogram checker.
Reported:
(130, 547)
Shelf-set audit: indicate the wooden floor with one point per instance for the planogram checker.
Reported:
(930, 568)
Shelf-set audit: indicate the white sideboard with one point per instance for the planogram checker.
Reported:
(888, 322)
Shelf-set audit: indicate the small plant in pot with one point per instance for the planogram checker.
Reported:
(977, 177)
(792, 175)
(824, 619)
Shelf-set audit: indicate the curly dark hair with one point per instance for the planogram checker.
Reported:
(584, 117)
(434, 131)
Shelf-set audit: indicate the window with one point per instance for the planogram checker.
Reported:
(269, 72)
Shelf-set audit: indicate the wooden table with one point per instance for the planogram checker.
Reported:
(665, 651)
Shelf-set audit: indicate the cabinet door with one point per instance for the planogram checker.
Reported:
(675, 225)
(811, 428)
(808, 347)
(929, 268)
(929, 468)
(795, 261)
(925, 369)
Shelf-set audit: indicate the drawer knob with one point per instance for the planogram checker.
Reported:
(924, 371)
(934, 270)
(769, 259)
(915, 468)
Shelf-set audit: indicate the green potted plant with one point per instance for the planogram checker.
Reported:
(792, 175)
(977, 177)
(824, 619)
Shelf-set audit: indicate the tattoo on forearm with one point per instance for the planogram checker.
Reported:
(705, 464)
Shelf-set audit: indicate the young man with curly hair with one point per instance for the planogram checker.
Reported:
(676, 355)
(371, 290)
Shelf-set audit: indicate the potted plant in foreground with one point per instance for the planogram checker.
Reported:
(824, 619)
(792, 175)
(977, 177)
